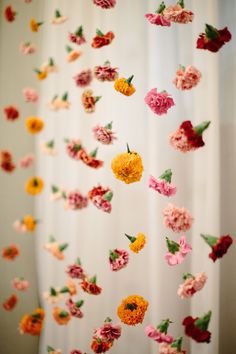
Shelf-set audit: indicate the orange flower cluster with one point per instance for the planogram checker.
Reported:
(10, 252)
(132, 310)
(61, 316)
(32, 323)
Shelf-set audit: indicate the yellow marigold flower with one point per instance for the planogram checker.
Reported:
(128, 166)
(42, 75)
(34, 25)
(34, 185)
(34, 125)
(124, 86)
(132, 310)
(137, 243)
(29, 222)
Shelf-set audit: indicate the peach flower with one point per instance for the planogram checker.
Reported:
(61, 316)
(27, 48)
(177, 219)
(20, 284)
(177, 13)
(30, 95)
(26, 161)
(72, 54)
(187, 78)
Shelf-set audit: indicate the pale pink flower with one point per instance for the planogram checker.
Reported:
(177, 219)
(72, 148)
(49, 67)
(165, 348)
(102, 204)
(56, 351)
(74, 308)
(27, 48)
(180, 142)
(106, 72)
(161, 186)
(84, 78)
(158, 19)
(58, 193)
(191, 285)
(177, 14)
(200, 281)
(55, 249)
(118, 259)
(157, 335)
(105, 4)
(159, 102)
(76, 201)
(26, 161)
(75, 271)
(48, 148)
(20, 284)
(30, 95)
(104, 135)
(58, 103)
(187, 78)
(19, 226)
(178, 256)
(108, 332)
(53, 296)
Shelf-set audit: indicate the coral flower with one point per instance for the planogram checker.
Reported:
(72, 54)
(128, 166)
(132, 310)
(48, 148)
(104, 135)
(27, 48)
(197, 328)
(219, 246)
(32, 323)
(70, 287)
(159, 102)
(125, 86)
(10, 303)
(187, 77)
(89, 101)
(61, 316)
(26, 161)
(158, 18)
(105, 4)
(90, 286)
(101, 39)
(30, 95)
(20, 284)
(55, 248)
(213, 39)
(105, 72)
(49, 67)
(78, 36)
(58, 18)
(11, 113)
(177, 251)
(159, 334)
(163, 184)
(76, 271)
(83, 78)
(90, 159)
(34, 125)
(177, 219)
(75, 308)
(137, 243)
(174, 348)
(118, 259)
(34, 185)
(53, 296)
(178, 14)
(9, 13)
(191, 285)
(99, 346)
(34, 25)
(10, 252)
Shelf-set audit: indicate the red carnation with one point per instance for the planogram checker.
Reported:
(101, 39)
(90, 286)
(11, 113)
(213, 39)
(9, 14)
(196, 328)
(99, 346)
(219, 246)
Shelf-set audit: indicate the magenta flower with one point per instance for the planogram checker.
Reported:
(157, 19)
(118, 259)
(187, 78)
(105, 72)
(191, 285)
(177, 219)
(78, 36)
(177, 251)
(75, 200)
(84, 78)
(74, 308)
(158, 336)
(159, 102)
(105, 4)
(75, 271)
(104, 135)
(163, 184)
(103, 202)
(30, 95)
(108, 331)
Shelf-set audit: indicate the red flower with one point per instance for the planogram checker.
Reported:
(100, 40)
(8, 166)
(196, 328)
(194, 139)
(11, 113)
(213, 39)
(99, 190)
(10, 303)
(99, 346)
(89, 160)
(90, 286)
(221, 247)
(9, 14)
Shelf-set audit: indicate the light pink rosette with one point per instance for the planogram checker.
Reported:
(159, 102)
(177, 219)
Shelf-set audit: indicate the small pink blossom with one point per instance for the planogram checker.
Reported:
(102, 204)
(84, 78)
(30, 95)
(187, 78)
(174, 257)
(105, 72)
(27, 48)
(177, 219)
(161, 186)
(19, 226)
(20, 284)
(105, 4)
(108, 332)
(53, 296)
(159, 102)
(177, 14)
(48, 148)
(75, 271)
(26, 161)
(72, 148)
(191, 285)
(157, 335)
(118, 259)
(74, 308)
(179, 141)
(78, 36)
(104, 135)
(27, 1)
(75, 200)
(157, 19)
(165, 348)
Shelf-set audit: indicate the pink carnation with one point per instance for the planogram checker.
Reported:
(159, 103)
(27, 48)
(84, 78)
(157, 335)
(20, 284)
(187, 78)
(158, 19)
(191, 285)
(106, 72)
(105, 4)
(76, 351)
(162, 186)
(75, 271)
(177, 257)
(165, 348)
(118, 259)
(177, 219)
(72, 148)
(175, 13)
(19, 226)
(102, 204)
(108, 332)
(30, 95)
(104, 134)
(26, 161)
(74, 310)
(180, 142)
(75, 200)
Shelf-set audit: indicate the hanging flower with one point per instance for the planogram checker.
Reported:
(213, 39)
(53, 295)
(90, 286)
(48, 148)
(10, 303)
(174, 348)
(177, 219)
(26, 224)
(49, 67)
(30, 95)
(20, 284)
(101, 39)
(191, 284)
(73, 147)
(58, 18)
(75, 308)
(75, 200)
(58, 103)
(103, 202)
(10, 252)
(159, 102)
(77, 37)
(178, 14)
(75, 271)
(6, 160)
(177, 251)
(34, 125)
(11, 113)
(70, 288)
(188, 138)
(26, 161)
(76, 351)
(127, 166)
(132, 310)
(9, 14)
(90, 159)
(61, 316)
(72, 54)
(125, 86)
(83, 78)
(137, 243)
(99, 346)
(28, 1)
(197, 328)
(99, 190)
(27, 48)
(58, 193)
(51, 350)
(105, 4)
(89, 101)
(118, 259)
(163, 184)
(55, 248)
(219, 245)
(159, 334)
(41, 75)
(105, 72)
(104, 134)
(158, 18)
(108, 331)
(34, 185)
(34, 25)
(32, 323)
(187, 77)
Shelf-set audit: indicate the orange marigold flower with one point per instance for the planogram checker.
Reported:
(32, 323)
(61, 316)
(34, 25)
(101, 39)
(41, 75)
(29, 222)
(34, 124)
(124, 86)
(137, 243)
(34, 185)
(132, 310)
(10, 252)
(10, 303)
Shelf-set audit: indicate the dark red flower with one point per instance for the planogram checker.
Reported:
(221, 247)
(213, 39)
(10, 303)
(11, 113)
(90, 287)
(194, 331)
(8, 166)
(194, 139)
(99, 190)
(9, 13)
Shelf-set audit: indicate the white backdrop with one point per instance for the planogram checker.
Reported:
(152, 54)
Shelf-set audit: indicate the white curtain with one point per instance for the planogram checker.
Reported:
(152, 54)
